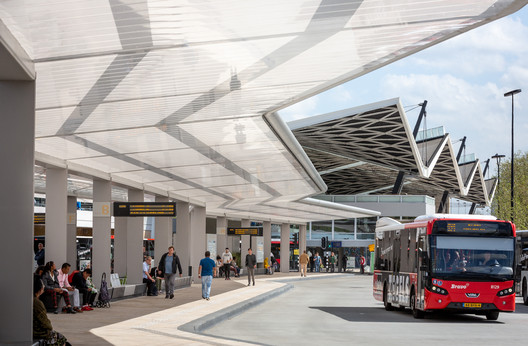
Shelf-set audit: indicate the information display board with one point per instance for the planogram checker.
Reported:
(144, 209)
(245, 231)
(39, 218)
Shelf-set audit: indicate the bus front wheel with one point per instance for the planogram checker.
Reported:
(388, 306)
(492, 316)
(416, 313)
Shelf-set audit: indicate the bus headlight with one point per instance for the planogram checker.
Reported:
(440, 290)
(506, 292)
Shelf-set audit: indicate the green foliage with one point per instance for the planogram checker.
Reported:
(501, 205)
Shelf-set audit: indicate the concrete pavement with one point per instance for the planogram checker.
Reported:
(157, 321)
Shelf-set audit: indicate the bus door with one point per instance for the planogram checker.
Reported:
(422, 264)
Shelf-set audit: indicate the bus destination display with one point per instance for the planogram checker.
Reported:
(245, 231)
(144, 209)
(472, 227)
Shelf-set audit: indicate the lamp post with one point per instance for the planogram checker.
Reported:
(498, 158)
(511, 93)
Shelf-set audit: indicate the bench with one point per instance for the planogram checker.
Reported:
(118, 288)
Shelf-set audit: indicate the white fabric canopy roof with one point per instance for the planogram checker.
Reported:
(175, 97)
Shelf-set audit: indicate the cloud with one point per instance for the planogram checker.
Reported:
(300, 110)
(478, 111)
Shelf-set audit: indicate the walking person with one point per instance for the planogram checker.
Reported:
(226, 259)
(332, 262)
(251, 264)
(303, 263)
(206, 271)
(317, 262)
(168, 264)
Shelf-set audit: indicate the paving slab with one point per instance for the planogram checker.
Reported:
(156, 320)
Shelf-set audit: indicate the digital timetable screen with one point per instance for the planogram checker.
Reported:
(145, 209)
(39, 218)
(245, 231)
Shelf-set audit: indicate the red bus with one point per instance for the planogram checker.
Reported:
(459, 263)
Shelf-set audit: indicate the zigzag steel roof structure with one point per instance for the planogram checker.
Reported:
(177, 98)
(361, 150)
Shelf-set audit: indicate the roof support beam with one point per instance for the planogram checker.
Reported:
(398, 185)
(462, 147)
(423, 113)
(443, 203)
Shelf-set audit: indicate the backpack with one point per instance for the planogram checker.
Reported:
(70, 277)
(104, 296)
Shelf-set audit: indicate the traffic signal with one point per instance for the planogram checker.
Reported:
(296, 238)
(323, 243)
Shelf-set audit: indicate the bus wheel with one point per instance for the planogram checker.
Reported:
(525, 292)
(416, 313)
(492, 316)
(388, 306)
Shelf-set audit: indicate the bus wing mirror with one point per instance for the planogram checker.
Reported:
(518, 270)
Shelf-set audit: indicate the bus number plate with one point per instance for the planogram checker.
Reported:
(472, 305)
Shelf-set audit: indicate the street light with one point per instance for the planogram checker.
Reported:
(498, 158)
(511, 93)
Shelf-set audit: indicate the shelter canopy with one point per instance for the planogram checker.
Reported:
(175, 97)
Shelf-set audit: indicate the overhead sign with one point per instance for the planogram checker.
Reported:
(245, 231)
(336, 244)
(145, 209)
(39, 218)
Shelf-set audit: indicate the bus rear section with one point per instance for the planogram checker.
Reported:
(458, 263)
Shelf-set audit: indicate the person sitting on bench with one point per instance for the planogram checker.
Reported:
(53, 288)
(79, 282)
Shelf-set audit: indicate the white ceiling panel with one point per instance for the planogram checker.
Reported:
(172, 158)
(135, 140)
(185, 91)
(143, 177)
(107, 164)
(63, 148)
(131, 114)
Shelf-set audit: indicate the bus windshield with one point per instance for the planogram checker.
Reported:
(473, 257)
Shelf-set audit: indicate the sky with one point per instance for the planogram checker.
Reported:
(463, 80)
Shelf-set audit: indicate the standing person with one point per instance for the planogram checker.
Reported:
(251, 264)
(332, 262)
(317, 262)
(39, 255)
(167, 266)
(147, 279)
(362, 264)
(226, 259)
(311, 262)
(303, 262)
(65, 285)
(344, 259)
(206, 271)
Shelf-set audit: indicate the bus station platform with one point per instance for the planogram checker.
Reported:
(156, 320)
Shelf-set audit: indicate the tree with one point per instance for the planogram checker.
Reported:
(501, 205)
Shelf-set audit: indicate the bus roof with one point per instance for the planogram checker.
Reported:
(455, 217)
(385, 224)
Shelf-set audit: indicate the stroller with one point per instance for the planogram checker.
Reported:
(104, 296)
